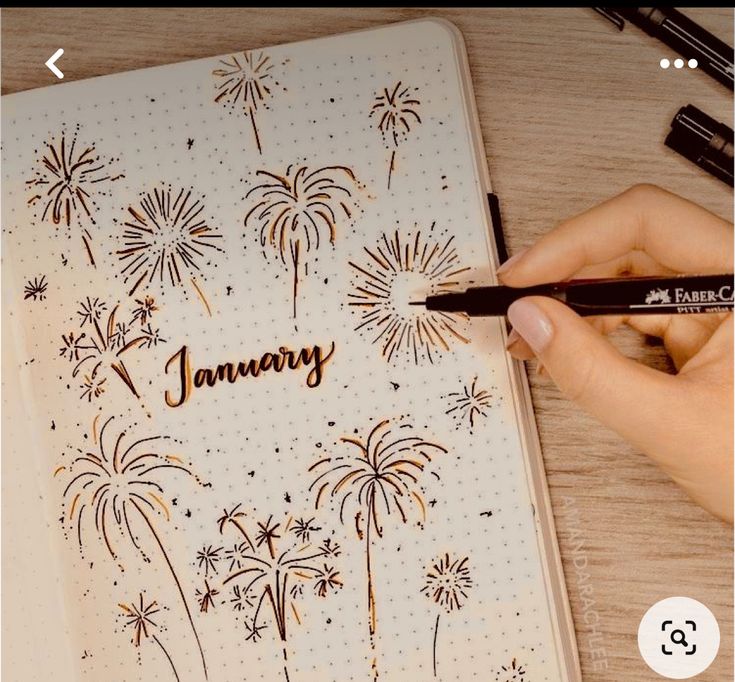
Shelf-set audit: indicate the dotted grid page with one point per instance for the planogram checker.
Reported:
(261, 462)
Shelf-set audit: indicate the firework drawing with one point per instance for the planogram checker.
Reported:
(99, 345)
(35, 289)
(396, 112)
(68, 176)
(273, 564)
(298, 211)
(393, 274)
(378, 479)
(139, 617)
(208, 558)
(446, 583)
(245, 82)
(469, 403)
(514, 672)
(166, 239)
(115, 483)
(206, 597)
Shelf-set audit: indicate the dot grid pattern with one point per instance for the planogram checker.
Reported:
(255, 439)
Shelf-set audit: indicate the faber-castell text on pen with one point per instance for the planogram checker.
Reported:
(179, 365)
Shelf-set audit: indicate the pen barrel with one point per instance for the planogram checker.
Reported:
(651, 295)
(689, 39)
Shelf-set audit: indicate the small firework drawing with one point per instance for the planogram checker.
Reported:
(208, 558)
(394, 273)
(446, 583)
(274, 561)
(139, 617)
(298, 211)
(514, 672)
(103, 346)
(206, 597)
(116, 483)
(245, 82)
(35, 289)
(469, 403)
(395, 111)
(166, 239)
(67, 177)
(379, 479)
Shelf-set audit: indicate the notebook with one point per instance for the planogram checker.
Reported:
(232, 449)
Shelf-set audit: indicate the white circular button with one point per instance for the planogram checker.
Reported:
(678, 63)
(678, 638)
(693, 63)
(665, 63)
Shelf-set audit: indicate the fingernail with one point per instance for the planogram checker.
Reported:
(513, 337)
(531, 323)
(512, 261)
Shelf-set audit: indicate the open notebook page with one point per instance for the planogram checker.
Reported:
(259, 456)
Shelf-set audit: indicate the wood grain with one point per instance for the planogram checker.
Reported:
(572, 112)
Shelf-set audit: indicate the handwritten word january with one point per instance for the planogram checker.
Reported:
(179, 365)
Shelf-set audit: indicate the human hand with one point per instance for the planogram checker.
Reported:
(684, 422)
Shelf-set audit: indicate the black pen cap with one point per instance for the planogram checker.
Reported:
(704, 141)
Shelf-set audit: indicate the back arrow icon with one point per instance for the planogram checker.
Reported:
(52, 66)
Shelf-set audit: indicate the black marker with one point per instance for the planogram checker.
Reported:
(680, 33)
(704, 141)
(618, 296)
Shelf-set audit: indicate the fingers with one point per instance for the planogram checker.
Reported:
(675, 233)
(683, 335)
(622, 394)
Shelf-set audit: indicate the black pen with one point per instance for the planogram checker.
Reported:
(681, 34)
(618, 296)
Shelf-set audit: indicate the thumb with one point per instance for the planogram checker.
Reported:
(624, 395)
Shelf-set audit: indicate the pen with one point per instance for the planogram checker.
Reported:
(680, 33)
(703, 141)
(617, 296)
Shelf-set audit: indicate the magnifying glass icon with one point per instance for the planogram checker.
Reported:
(678, 637)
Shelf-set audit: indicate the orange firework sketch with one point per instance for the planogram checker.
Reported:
(166, 239)
(139, 617)
(116, 482)
(469, 403)
(271, 565)
(397, 270)
(377, 479)
(245, 81)
(396, 112)
(297, 212)
(67, 178)
(102, 342)
(446, 583)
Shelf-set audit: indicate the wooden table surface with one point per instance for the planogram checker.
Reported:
(572, 112)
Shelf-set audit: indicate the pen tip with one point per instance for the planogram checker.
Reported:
(417, 303)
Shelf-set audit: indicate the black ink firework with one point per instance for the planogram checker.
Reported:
(166, 239)
(394, 272)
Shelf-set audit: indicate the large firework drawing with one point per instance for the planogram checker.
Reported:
(68, 176)
(245, 82)
(399, 269)
(395, 111)
(104, 339)
(116, 482)
(138, 616)
(166, 240)
(297, 212)
(447, 583)
(469, 403)
(271, 567)
(377, 479)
